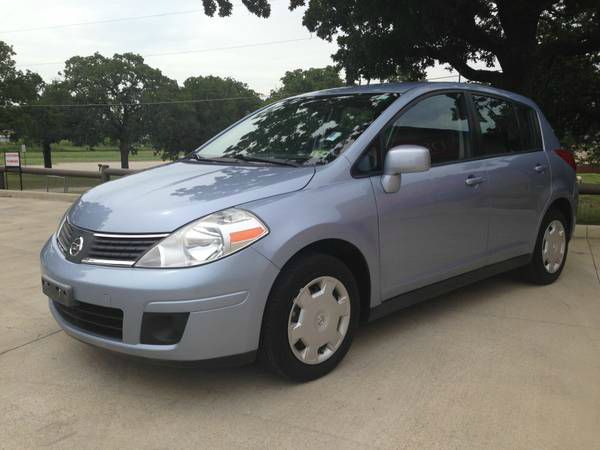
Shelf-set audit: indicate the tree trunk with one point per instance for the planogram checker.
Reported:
(46, 150)
(124, 149)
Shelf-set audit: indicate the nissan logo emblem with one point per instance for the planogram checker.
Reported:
(76, 246)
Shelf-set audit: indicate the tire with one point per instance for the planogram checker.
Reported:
(543, 270)
(308, 301)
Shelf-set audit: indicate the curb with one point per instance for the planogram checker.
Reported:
(55, 196)
(587, 231)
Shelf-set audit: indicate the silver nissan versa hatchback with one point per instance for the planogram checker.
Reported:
(281, 234)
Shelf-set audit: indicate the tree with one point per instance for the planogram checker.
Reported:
(116, 91)
(571, 97)
(208, 105)
(300, 81)
(45, 122)
(16, 88)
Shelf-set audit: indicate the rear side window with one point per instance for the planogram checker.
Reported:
(498, 125)
(439, 123)
(529, 129)
(505, 127)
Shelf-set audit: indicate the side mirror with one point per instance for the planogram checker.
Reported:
(403, 159)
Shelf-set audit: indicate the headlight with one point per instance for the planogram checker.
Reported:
(205, 240)
(63, 220)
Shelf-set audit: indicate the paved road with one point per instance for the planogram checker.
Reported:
(500, 364)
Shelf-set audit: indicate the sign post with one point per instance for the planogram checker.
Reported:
(12, 160)
(24, 152)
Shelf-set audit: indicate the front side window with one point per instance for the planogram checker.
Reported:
(304, 131)
(439, 123)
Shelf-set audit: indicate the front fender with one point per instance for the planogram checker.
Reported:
(343, 210)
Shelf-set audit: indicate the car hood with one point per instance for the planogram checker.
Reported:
(165, 198)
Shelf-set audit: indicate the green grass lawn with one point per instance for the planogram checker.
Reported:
(593, 178)
(70, 153)
(588, 211)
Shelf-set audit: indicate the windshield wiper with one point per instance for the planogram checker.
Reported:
(278, 162)
(197, 157)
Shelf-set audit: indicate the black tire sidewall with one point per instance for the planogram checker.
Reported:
(537, 273)
(297, 274)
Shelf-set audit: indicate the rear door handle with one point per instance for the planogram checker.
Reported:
(474, 181)
(540, 168)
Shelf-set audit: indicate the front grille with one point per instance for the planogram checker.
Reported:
(96, 319)
(103, 248)
(119, 248)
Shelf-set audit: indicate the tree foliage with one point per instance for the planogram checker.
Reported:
(16, 88)
(300, 81)
(42, 123)
(183, 127)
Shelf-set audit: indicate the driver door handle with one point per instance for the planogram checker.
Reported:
(540, 168)
(474, 181)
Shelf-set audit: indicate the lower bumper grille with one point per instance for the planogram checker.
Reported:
(96, 319)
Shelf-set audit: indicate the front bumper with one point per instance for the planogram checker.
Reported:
(225, 299)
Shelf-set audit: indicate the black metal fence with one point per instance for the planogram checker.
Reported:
(65, 180)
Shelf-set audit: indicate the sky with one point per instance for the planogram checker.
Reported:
(261, 67)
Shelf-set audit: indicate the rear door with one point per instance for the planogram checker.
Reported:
(509, 140)
(435, 226)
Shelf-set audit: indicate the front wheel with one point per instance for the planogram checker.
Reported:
(310, 317)
(551, 249)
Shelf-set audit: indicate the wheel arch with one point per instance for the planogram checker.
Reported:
(352, 257)
(564, 206)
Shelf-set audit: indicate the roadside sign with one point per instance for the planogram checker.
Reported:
(12, 159)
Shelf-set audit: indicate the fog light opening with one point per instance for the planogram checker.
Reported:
(163, 328)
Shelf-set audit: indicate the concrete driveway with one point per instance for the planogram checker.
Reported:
(500, 364)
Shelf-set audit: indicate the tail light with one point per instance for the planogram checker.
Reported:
(567, 157)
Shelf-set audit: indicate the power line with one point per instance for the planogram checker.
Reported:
(96, 22)
(186, 52)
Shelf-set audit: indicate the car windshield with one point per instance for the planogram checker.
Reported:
(299, 131)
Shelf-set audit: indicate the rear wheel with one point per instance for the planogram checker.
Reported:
(310, 317)
(551, 249)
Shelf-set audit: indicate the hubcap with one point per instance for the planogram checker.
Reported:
(553, 246)
(319, 320)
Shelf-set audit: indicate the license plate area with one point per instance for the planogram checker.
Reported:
(58, 292)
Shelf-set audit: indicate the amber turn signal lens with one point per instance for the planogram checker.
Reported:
(246, 235)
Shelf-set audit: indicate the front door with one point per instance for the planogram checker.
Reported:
(435, 226)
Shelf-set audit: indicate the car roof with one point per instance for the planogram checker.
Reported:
(425, 86)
